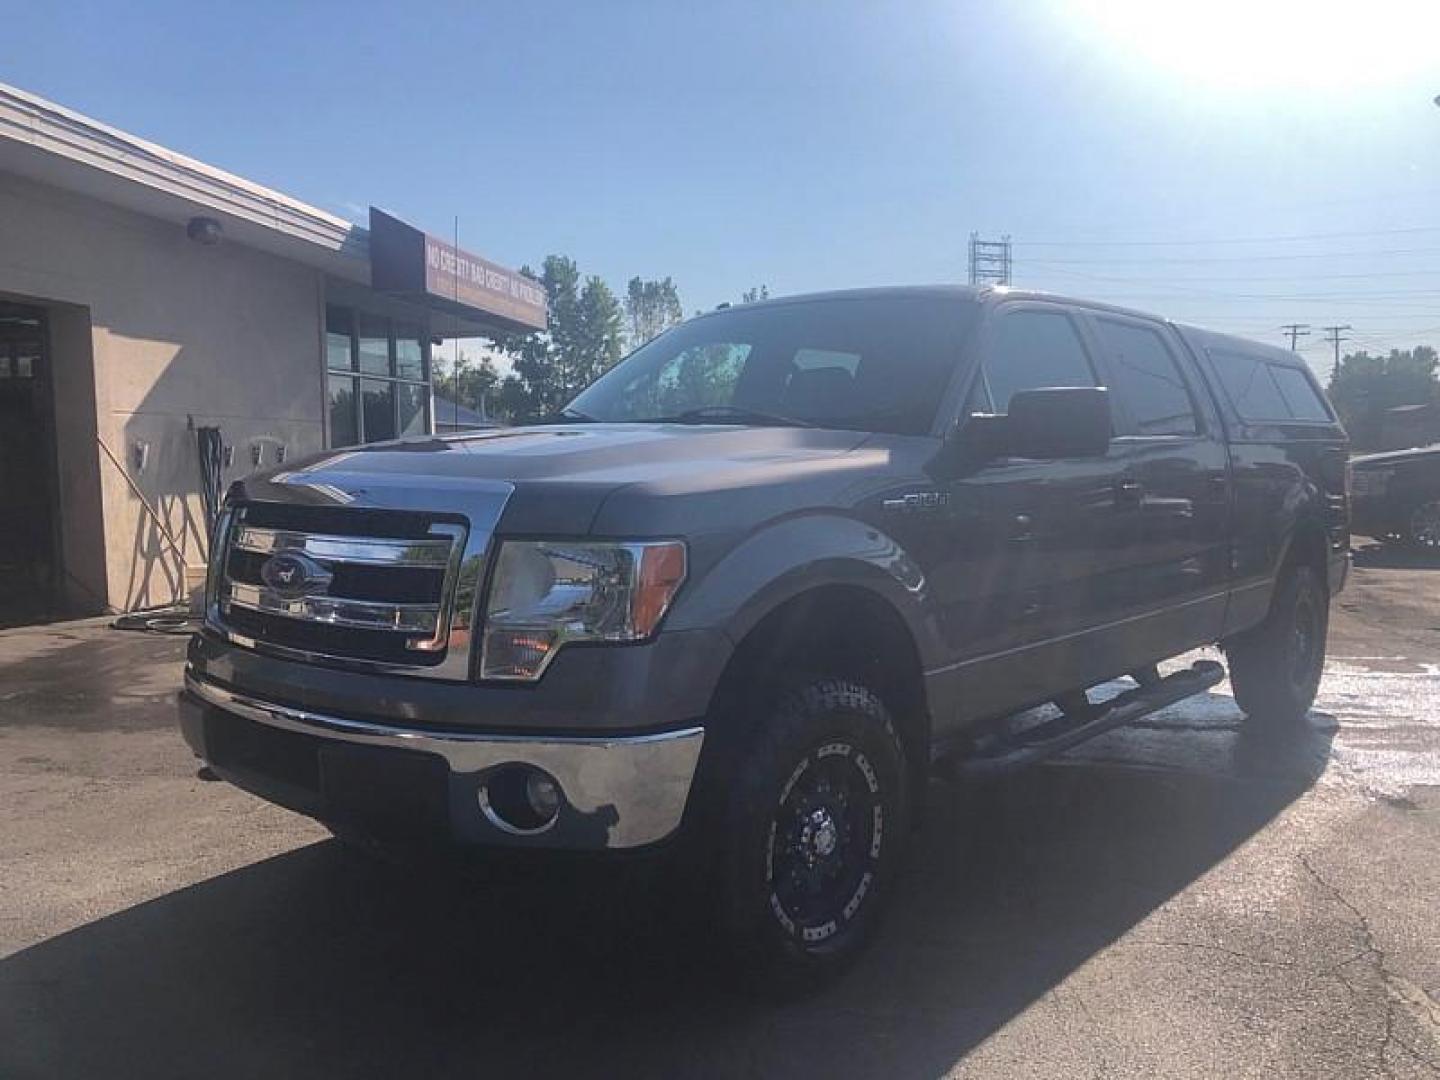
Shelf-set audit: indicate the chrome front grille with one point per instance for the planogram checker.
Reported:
(374, 587)
(370, 551)
(358, 614)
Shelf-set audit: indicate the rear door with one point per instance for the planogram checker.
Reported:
(1172, 496)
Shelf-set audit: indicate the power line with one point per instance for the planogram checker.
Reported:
(1293, 238)
(1296, 330)
(1186, 260)
(1367, 276)
(1403, 297)
(1262, 325)
(1178, 287)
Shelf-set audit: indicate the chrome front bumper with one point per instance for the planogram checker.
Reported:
(619, 792)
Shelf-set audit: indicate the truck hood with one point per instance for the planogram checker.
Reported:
(1394, 457)
(562, 474)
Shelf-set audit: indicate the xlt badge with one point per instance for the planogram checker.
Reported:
(918, 502)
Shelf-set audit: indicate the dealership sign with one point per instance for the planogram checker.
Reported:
(403, 259)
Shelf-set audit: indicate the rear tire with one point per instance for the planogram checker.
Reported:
(811, 834)
(1275, 667)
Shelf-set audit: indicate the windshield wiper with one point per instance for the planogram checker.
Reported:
(576, 416)
(732, 414)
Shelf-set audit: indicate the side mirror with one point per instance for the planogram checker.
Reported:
(1060, 422)
(1051, 422)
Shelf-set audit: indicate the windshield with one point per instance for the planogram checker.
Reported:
(864, 363)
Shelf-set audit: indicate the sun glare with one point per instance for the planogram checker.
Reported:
(1245, 46)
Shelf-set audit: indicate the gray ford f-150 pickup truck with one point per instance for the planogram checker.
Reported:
(760, 578)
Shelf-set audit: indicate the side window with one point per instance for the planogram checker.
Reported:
(1248, 385)
(1030, 349)
(1261, 390)
(1299, 393)
(1149, 378)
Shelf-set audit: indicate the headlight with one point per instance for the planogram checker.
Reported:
(547, 593)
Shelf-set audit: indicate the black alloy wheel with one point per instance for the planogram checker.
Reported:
(1275, 667)
(826, 841)
(810, 832)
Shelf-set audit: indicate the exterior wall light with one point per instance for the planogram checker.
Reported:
(205, 231)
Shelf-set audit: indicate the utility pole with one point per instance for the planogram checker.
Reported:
(1332, 335)
(1296, 330)
(989, 261)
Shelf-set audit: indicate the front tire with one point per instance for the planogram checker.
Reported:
(811, 833)
(1275, 667)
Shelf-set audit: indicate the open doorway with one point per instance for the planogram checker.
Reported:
(28, 564)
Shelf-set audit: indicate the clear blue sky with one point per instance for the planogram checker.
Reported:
(819, 145)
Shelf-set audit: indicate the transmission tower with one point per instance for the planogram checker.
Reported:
(989, 261)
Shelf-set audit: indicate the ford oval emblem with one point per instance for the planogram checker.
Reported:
(292, 574)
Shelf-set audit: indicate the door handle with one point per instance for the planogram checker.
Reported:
(1129, 492)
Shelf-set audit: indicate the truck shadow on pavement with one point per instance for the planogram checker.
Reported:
(317, 963)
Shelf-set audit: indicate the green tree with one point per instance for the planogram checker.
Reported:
(599, 340)
(583, 340)
(1363, 387)
(651, 308)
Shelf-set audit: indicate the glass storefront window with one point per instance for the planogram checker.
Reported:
(393, 397)
(409, 352)
(412, 399)
(343, 429)
(374, 344)
(339, 338)
(378, 409)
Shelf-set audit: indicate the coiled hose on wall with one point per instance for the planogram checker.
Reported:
(176, 618)
(211, 450)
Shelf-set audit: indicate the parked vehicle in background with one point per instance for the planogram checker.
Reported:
(1396, 496)
(764, 576)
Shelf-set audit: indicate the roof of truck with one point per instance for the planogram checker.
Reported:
(1199, 336)
(1213, 339)
(958, 292)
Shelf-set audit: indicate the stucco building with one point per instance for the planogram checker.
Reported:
(143, 295)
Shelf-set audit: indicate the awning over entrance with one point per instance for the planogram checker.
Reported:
(426, 269)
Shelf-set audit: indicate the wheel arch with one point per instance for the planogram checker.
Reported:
(842, 629)
(1308, 546)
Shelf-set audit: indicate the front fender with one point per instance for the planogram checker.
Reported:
(789, 557)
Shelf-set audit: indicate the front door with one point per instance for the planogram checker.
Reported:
(27, 525)
(1039, 535)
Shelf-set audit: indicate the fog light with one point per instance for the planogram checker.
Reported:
(543, 795)
(520, 799)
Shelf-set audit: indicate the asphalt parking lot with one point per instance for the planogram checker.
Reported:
(1180, 898)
